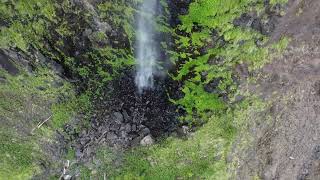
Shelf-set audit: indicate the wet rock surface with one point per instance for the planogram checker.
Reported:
(127, 118)
(256, 23)
(176, 9)
(7, 64)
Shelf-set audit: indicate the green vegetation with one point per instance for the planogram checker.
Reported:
(49, 27)
(202, 156)
(64, 112)
(274, 2)
(209, 28)
(25, 101)
(208, 47)
(205, 102)
(122, 14)
(19, 90)
(28, 99)
(27, 20)
(17, 156)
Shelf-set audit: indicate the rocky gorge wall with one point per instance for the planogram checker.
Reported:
(76, 58)
(85, 47)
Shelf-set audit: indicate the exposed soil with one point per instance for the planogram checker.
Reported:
(288, 147)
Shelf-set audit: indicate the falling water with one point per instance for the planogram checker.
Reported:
(147, 50)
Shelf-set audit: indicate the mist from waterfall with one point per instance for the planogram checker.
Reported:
(147, 49)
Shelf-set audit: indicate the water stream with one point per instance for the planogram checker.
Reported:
(147, 49)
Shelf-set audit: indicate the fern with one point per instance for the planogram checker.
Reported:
(219, 55)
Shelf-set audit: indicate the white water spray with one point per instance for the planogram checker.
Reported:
(147, 50)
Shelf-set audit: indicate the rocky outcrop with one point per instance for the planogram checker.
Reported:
(176, 9)
(123, 118)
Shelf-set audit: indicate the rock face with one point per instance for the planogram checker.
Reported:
(7, 64)
(127, 119)
(124, 118)
(177, 8)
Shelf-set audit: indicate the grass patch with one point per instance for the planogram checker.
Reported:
(64, 112)
(26, 100)
(202, 156)
(17, 156)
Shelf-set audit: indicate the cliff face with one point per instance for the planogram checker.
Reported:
(67, 85)
(69, 106)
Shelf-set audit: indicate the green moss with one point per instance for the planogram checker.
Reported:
(64, 112)
(274, 2)
(16, 156)
(71, 154)
(28, 21)
(25, 101)
(122, 13)
(18, 90)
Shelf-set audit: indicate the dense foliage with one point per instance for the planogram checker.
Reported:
(210, 46)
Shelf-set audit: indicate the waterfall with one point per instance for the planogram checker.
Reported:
(147, 50)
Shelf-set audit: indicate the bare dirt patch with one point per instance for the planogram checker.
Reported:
(288, 147)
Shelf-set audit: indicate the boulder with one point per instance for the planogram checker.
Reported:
(183, 131)
(7, 64)
(145, 131)
(147, 141)
(118, 116)
(67, 177)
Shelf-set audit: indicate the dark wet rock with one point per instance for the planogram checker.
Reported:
(57, 84)
(268, 27)
(134, 128)
(183, 131)
(67, 177)
(145, 131)
(245, 20)
(265, 27)
(57, 68)
(78, 153)
(239, 98)
(7, 64)
(212, 87)
(40, 88)
(83, 141)
(126, 118)
(177, 8)
(316, 153)
(118, 116)
(136, 141)
(128, 128)
(115, 126)
(111, 136)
